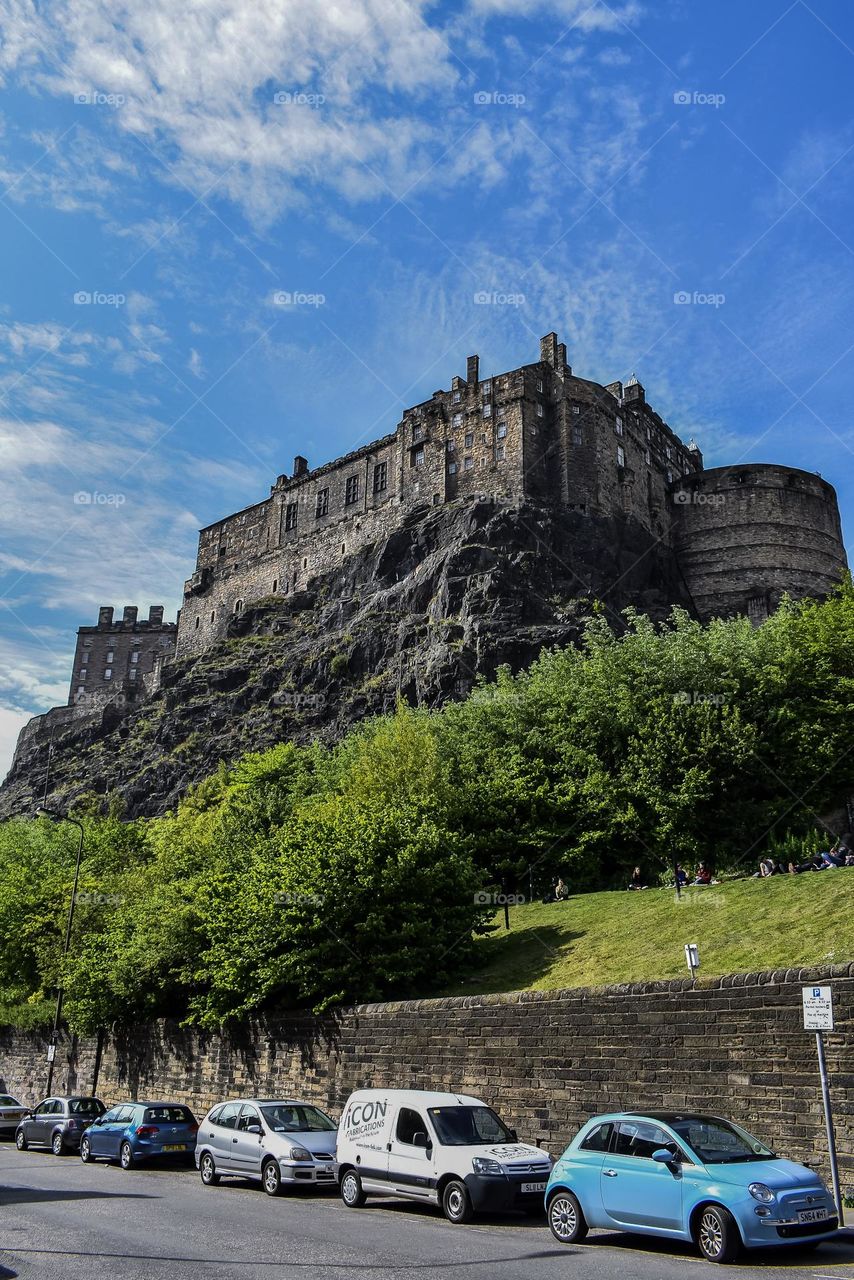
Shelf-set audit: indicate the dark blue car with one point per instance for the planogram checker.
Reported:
(135, 1131)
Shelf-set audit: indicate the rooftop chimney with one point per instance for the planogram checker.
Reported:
(300, 466)
(155, 615)
(129, 615)
(633, 390)
(105, 615)
(549, 350)
(472, 369)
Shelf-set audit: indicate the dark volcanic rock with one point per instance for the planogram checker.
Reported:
(451, 595)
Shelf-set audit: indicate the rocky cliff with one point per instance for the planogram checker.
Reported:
(451, 595)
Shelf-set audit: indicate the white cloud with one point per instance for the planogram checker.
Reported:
(195, 363)
(11, 724)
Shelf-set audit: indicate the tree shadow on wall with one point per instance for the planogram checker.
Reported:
(513, 960)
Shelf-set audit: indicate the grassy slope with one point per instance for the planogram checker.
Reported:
(597, 938)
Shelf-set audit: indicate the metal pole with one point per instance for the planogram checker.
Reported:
(828, 1121)
(676, 876)
(60, 993)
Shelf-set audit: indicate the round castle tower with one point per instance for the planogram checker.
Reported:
(744, 535)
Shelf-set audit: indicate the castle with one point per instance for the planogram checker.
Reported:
(741, 536)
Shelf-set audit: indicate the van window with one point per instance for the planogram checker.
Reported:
(408, 1124)
(468, 1126)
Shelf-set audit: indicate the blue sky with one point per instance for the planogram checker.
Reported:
(169, 173)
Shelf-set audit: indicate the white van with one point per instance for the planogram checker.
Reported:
(442, 1148)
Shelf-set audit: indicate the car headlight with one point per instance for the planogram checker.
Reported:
(299, 1153)
(759, 1191)
(480, 1164)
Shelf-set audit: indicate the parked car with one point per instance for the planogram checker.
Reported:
(11, 1112)
(278, 1142)
(444, 1149)
(685, 1177)
(57, 1123)
(136, 1131)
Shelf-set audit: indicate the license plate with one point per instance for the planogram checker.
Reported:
(175, 1146)
(531, 1188)
(812, 1215)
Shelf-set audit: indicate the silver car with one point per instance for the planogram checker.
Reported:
(280, 1143)
(11, 1113)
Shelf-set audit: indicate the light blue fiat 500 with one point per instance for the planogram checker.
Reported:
(685, 1177)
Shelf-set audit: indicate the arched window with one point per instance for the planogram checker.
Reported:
(213, 615)
(198, 622)
(238, 606)
(275, 585)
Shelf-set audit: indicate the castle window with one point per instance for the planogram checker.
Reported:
(351, 492)
(417, 431)
(469, 441)
(669, 476)
(80, 690)
(457, 420)
(291, 515)
(647, 458)
(322, 504)
(669, 453)
(238, 606)
(499, 453)
(450, 446)
(304, 565)
(343, 548)
(84, 671)
(213, 615)
(222, 551)
(110, 656)
(540, 385)
(576, 408)
(456, 397)
(132, 674)
(380, 477)
(487, 411)
(618, 426)
(539, 410)
(621, 456)
(452, 468)
(108, 674)
(275, 585)
(487, 389)
(198, 621)
(87, 644)
(576, 436)
(134, 657)
(501, 430)
(286, 586)
(468, 464)
(417, 458)
(649, 433)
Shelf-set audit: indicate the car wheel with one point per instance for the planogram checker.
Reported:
(456, 1202)
(57, 1146)
(717, 1234)
(21, 1140)
(207, 1170)
(85, 1150)
(126, 1156)
(351, 1190)
(271, 1178)
(566, 1221)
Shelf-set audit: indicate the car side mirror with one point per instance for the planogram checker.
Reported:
(254, 1128)
(663, 1156)
(421, 1140)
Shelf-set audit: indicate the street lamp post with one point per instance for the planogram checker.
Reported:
(42, 812)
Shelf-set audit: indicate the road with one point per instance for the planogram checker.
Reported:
(61, 1218)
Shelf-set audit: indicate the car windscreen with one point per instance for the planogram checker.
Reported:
(285, 1117)
(719, 1142)
(85, 1107)
(6, 1100)
(169, 1115)
(468, 1126)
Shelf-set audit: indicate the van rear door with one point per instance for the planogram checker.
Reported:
(411, 1166)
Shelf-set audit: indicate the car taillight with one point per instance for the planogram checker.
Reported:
(146, 1130)
(71, 1124)
(193, 1128)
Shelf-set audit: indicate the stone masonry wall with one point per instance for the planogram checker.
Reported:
(545, 1060)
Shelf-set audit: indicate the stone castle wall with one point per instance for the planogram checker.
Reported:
(546, 1060)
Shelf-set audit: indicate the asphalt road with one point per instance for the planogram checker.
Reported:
(61, 1218)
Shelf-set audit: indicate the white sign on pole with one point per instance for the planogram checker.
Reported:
(818, 1008)
(51, 1052)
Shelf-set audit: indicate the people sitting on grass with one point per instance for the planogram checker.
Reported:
(767, 867)
(636, 881)
(558, 892)
(681, 876)
(704, 874)
(813, 863)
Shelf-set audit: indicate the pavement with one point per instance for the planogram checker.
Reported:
(61, 1218)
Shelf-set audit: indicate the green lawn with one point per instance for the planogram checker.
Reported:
(597, 938)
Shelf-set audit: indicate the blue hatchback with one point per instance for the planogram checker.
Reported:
(135, 1131)
(685, 1177)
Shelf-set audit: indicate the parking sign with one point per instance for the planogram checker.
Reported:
(818, 1008)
